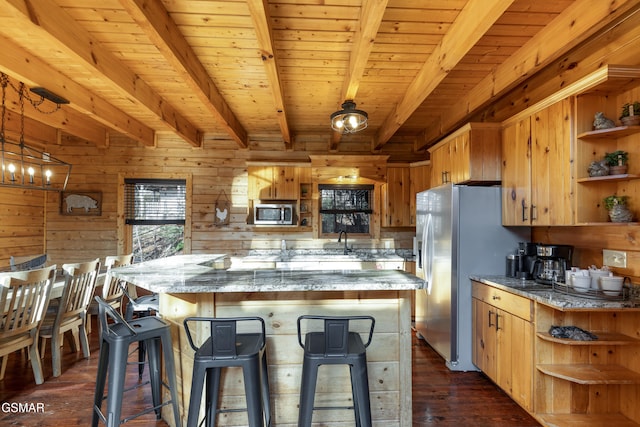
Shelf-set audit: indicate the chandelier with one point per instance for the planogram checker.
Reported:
(24, 166)
(349, 120)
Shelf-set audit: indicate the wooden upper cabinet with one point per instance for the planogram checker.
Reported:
(537, 168)
(516, 173)
(420, 180)
(551, 165)
(469, 155)
(396, 198)
(260, 182)
(440, 164)
(286, 185)
(273, 183)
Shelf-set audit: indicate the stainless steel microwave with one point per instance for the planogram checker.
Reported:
(273, 213)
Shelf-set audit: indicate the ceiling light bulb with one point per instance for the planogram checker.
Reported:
(31, 171)
(339, 124)
(353, 121)
(11, 168)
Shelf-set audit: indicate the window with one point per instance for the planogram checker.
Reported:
(155, 208)
(345, 207)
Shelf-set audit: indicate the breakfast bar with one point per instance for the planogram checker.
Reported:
(199, 285)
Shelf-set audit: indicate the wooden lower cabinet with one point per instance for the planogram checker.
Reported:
(560, 382)
(588, 382)
(503, 341)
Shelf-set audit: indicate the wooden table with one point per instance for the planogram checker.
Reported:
(188, 286)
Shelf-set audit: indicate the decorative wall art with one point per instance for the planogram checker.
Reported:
(81, 203)
(223, 210)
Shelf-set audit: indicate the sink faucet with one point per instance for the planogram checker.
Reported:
(346, 249)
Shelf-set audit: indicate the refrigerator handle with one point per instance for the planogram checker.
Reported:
(427, 252)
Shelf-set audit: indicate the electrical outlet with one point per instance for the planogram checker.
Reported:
(614, 258)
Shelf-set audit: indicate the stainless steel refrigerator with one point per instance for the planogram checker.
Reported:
(459, 233)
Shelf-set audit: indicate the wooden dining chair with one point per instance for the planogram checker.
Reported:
(71, 315)
(111, 290)
(24, 297)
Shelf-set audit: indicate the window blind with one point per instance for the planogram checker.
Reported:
(154, 201)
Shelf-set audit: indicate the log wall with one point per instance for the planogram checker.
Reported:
(31, 222)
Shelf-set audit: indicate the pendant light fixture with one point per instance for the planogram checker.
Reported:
(349, 120)
(24, 166)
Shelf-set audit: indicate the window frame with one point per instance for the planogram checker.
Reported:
(124, 231)
(370, 211)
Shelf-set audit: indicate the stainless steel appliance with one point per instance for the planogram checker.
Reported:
(273, 213)
(520, 265)
(458, 234)
(551, 263)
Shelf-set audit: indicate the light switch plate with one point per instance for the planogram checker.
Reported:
(614, 258)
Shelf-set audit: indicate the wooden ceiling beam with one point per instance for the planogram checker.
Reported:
(262, 24)
(371, 14)
(474, 20)
(155, 21)
(578, 22)
(61, 31)
(27, 68)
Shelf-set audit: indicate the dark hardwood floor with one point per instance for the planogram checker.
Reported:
(440, 397)
(446, 399)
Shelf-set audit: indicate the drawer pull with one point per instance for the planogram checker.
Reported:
(495, 297)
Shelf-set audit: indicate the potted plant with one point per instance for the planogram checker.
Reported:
(618, 209)
(630, 115)
(617, 162)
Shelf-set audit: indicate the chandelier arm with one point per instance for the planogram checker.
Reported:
(35, 167)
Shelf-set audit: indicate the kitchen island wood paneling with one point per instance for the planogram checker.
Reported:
(189, 286)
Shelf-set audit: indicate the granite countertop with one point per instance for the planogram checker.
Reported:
(557, 298)
(301, 254)
(201, 273)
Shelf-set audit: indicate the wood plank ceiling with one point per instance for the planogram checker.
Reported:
(274, 70)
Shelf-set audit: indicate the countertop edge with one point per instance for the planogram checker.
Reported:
(193, 274)
(545, 295)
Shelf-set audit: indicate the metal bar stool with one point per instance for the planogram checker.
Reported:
(225, 348)
(335, 345)
(140, 307)
(114, 350)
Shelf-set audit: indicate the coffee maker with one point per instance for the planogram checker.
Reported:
(551, 263)
(520, 264)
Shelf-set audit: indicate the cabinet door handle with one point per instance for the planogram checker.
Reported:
(497, 321)
(534, 213)
(524, 211)
(490, 313)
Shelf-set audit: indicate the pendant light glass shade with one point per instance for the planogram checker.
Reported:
(349, 120)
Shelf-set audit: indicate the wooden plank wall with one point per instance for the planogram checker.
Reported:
(22, 223)
(30, 225)
(589, 241)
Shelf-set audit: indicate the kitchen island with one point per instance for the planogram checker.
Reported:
(198, 285)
